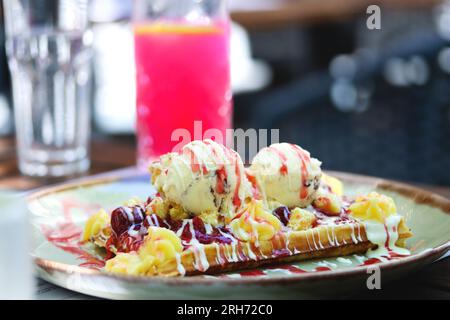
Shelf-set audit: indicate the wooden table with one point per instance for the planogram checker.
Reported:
(263, 14)
(107, 154)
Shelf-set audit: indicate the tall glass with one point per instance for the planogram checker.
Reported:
(182, 72)
(48, 47)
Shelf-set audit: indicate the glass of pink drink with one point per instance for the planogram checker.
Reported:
(183, 74)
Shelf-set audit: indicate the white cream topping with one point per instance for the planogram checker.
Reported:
(384, 236)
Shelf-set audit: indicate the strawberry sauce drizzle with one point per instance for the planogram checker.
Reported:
(221, 172)
(255, 190)
(288, 267)
(392, 256)
(283, 158)
(370, 261)
(233, 158)
(252, 273)
(236, 199)
(222, 176)
(388, 238)
(319, 269)
(66, 235)
(195, 163)
(221, 180)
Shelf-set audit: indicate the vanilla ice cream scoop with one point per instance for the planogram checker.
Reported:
(203, 177)
(286, 173)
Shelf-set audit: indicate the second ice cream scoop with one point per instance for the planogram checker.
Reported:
(286, 173)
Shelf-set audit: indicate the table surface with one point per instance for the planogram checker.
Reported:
(108, 154)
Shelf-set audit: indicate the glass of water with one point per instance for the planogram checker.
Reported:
(49, 53)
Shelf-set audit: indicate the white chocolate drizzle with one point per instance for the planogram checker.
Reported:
(344, 261)
(287, 244)
(307, 241)
(201, 262)
(180, 266)
(295, 250)
(219, 259)
(359, 233)
(336, 241)
(325, 263)
(384, 236)
(233, 250)
(355, 241)
(318, 238)
(330, 239)
(208, 228)
(250, 253)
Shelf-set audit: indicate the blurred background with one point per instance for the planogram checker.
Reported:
(374, 102)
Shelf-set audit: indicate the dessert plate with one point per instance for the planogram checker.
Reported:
(60, 212)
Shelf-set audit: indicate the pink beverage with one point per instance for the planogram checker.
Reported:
(183, 76)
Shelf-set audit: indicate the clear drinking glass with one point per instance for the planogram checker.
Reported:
(182, 74)
(49, 51)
